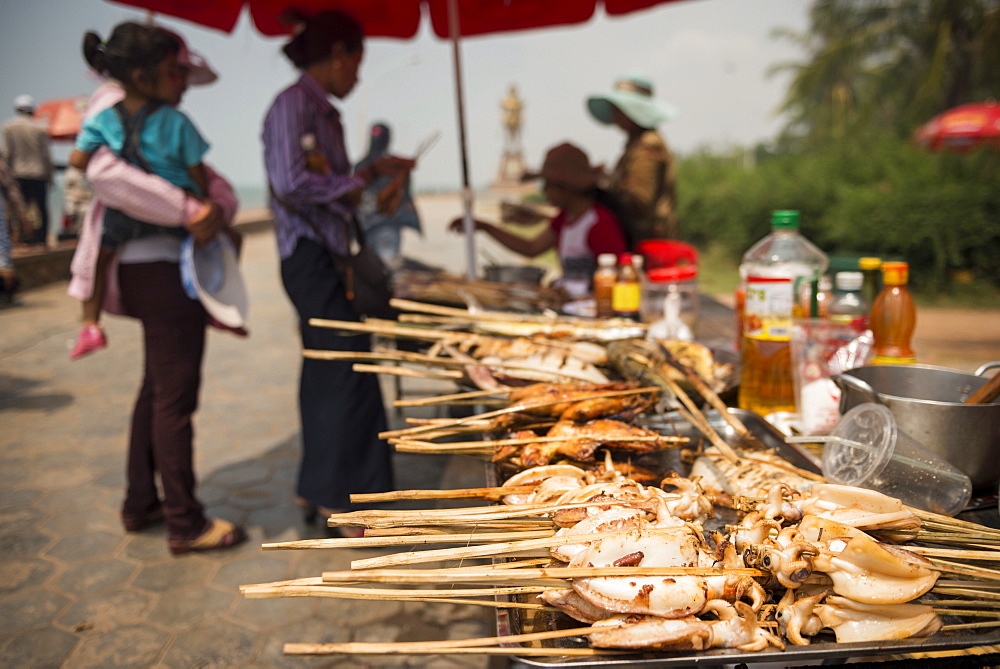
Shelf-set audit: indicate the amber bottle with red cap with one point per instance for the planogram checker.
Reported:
(893, 317)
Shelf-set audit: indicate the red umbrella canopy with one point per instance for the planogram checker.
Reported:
(62, 116)
(396, 18)
(962, 128)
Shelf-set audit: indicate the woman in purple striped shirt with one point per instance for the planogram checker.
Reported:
(314, 195)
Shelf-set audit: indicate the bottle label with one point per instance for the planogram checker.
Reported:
(768, 308)
(625, 298)
(893, 360)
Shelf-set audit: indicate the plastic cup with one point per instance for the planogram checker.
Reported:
(867, 450)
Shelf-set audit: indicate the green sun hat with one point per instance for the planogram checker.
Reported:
(633, 95)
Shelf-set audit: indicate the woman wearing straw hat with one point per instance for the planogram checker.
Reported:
(583, 228)
(644, 179)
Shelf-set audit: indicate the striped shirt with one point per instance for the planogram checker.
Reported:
(304, 109)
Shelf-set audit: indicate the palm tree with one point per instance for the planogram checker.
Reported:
(889, 65)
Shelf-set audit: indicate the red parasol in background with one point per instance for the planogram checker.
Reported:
(450, 19)
(962, 128)
(62, 116)
(397, 18)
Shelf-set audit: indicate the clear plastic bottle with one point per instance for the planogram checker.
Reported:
(772, 268)
(893, 317)
(627, 293)
(847, 306)
(604, 285)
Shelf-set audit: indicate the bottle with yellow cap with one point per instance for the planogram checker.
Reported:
(893, 317)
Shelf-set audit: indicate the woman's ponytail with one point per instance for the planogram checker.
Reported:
(93, 52)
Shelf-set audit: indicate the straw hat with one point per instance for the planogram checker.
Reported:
(633, 96)
(568, 165)
(211, 274)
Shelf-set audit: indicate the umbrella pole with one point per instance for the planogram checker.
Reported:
(467, 223)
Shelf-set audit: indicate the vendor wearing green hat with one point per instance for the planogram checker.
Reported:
(643, 181)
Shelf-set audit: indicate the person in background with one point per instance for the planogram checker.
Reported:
(314, 194)
(143, 281)
(381, 218)
(644, 179)
(26, 152)
(12, 215)
(582, 230)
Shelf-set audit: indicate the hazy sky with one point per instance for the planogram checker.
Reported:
(708, 58)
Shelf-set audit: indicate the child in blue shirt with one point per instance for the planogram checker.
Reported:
(145, 130)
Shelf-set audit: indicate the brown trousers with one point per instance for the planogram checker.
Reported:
(162, 436)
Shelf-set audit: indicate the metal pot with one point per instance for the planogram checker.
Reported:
(515, 274)
(927, 404)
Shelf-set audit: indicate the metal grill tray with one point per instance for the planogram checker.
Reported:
(823, 648)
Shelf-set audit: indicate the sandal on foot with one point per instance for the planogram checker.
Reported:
(221, 534)
(138, 523)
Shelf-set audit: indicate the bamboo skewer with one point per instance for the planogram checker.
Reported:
(448, 399)
(416, 446)
(478, 551)
(461, 493)
(400, 648)
(406, 540)
(983, 555)
(460, 596)
(438, 375)
(522, 407)
(480, 643)
(520, 576)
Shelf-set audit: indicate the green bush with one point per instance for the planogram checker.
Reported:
(940, 212)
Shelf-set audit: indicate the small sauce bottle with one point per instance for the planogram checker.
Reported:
(627, 292)
(604, 285)
(847, 306)
(893, 317)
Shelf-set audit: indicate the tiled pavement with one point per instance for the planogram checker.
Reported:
(77, 591)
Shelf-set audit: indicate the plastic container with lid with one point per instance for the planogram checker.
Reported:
(661, 282)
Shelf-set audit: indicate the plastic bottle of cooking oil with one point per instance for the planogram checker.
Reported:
(893, 317)
(604, 284)
(772, 267)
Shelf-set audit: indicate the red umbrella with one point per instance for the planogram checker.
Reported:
(962, 128)
(62, 116)
(397, 18)
(450, 19)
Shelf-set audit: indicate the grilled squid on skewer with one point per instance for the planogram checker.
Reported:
(736, 628)
(852, 621)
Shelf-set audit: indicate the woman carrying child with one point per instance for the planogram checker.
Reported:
(146, 284)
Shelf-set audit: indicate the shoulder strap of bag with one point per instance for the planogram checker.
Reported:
(132, 127)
